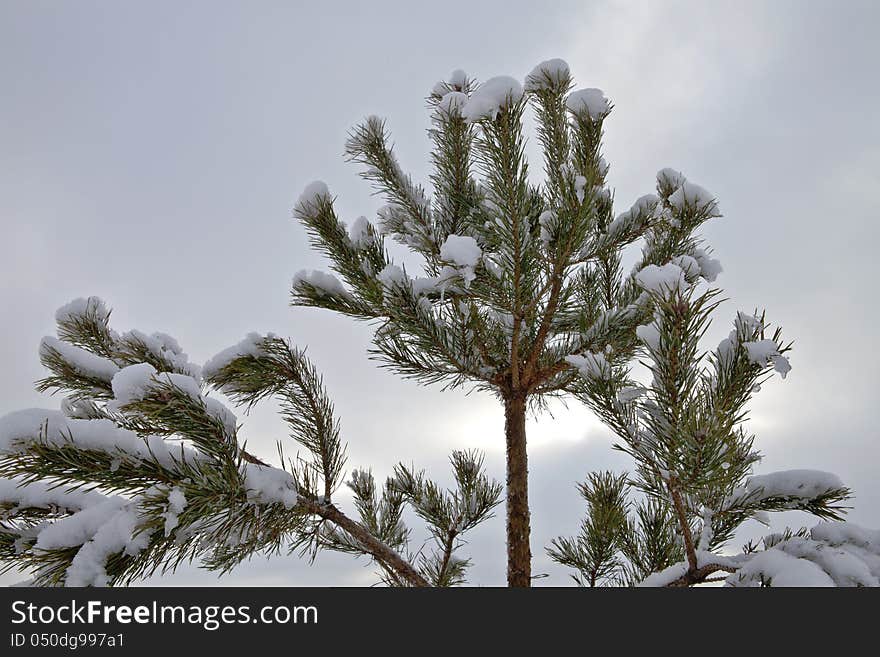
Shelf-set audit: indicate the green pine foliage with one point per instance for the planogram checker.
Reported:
(692, 485)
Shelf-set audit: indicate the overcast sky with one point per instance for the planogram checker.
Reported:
(150, 154)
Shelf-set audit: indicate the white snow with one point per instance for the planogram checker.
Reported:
(591, 365)
(781, 569)
(580, 184)
(588, 102)
(847, 565)
(249, 346)
(689, 195)
(176, 505)
(79, 527)
(359, 233)
(547, 221)
(323, 283)
(27, 425)
(268, 485)
(547, 74)
(835, 554)
(458, 78)
(838, 533)
(662, 279)
(689, 266)
(798, 484)
(84, 362)
(391, 276)
(490, 97)
(461, 250)
(675, 571)
(650, 335)
(93, 306)
(665, 576)
(21, 428)
(746, 324)
(709, 267)
(118, 533)
(646, 204)
(457, 82)
(782, 365)
(310, 196)
(762, 352)
(41, 495)
(423, 285)
(452, 102)
(135, 382)
(670, 178)
(166, 348)
(641, 211)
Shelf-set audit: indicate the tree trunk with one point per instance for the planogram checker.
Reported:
(519, 555)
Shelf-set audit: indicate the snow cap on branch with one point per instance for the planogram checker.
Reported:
(165, 348)
(462, 251)
(391, 276)
(457, 81)
(709, 267)
(43, 495)
(359, 233)
(662, 279)
(452, 102)
(547, 75)
(689, 266)
(84, 362)
(458, 78)
(26, 427)
(591, 103)
(249, 346)
(313, 192)
(693, 196)
(670, 179)
(490, 97)
(135, 382)
(798, 484)
(266, 484)
(322, 282)
(762, 352)
(92, 306)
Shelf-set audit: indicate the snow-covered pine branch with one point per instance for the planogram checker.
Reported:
(143, 468)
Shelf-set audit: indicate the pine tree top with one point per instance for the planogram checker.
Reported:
(516, 277)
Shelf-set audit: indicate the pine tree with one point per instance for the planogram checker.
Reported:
(523, 295)
(517, 276)
(668, 522)
(143, 469)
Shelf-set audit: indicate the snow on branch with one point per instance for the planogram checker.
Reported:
(491, 97)
(787, 489)
(588, 103)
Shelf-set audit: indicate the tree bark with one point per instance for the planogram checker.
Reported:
(519, 555)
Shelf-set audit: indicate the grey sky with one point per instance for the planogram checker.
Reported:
(150, 154)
